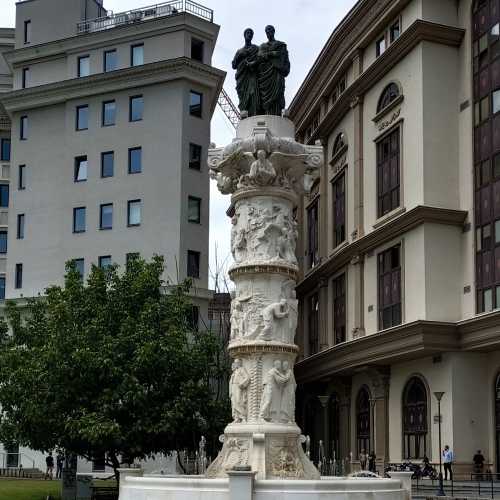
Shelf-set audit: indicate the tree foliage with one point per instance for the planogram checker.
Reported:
(110, 367)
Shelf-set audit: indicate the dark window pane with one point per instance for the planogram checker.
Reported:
(195, 104)
(105, 261)
(27, 31)
(108, 113)
(19, 276)
(194, 209)
(82, 118)
(2, 288)
(197, 50)
(195, 156)
(110, 60)
(80, 266)
(136, 108)
(25, 78)
(106, 217)
(339, 210)
(79, 219)
(388, 178)
(394, 31)
(4, 195)
(107, 164)
(134, 160)
(3, 242)
(193, 264)
(23, 133)
(5, 150)
(20, 226)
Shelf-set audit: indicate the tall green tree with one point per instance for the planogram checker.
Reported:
(111, 367)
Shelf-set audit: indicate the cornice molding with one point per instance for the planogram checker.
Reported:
(392, 229)
(417, 32)
(138, 76)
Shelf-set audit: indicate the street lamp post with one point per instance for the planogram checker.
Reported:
(440, 492)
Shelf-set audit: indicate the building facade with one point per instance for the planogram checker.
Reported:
(400, 266)
(110, 129)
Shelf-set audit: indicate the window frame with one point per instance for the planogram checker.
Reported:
(100, 260)
(198, 200)
(395, 272)
(21, 177)
(409, 424)
(4, 188)
(79, 67)
(101, 208)
(21, 226)
(130, 152)
(339, 285)
(23, 128)
(201, 43)
(103, 155)
(106, 53)
(3, 141)
(81, 271)
(130, 204)
(27, 31)
(196, 254)
(4, 247)
(77, 124)
(196, 164)
(25, 77)
(363, 420)
(197, 109)
(313, 234)
(132, 48)
(18, 280)
(77, 162)
(75, 211)
(313, 312)
(103, 113)
(130, 107)
(339, 208)
(2, 287)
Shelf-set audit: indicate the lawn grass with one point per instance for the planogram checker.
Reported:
(29, 489)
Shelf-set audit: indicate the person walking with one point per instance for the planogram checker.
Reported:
(447, 462)
(49, 461)
(478, 461)
(363, 457)
(59, 464)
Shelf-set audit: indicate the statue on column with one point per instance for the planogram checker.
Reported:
(278, 310)
(288, 399)
(272, 394)
(274, 67)
(238, 386)
(245, 63)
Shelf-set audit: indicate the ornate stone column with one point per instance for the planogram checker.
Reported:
(265, 171)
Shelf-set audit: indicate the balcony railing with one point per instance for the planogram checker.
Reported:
(170, 8)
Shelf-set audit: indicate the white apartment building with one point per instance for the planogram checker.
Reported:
(110, 122)
(400, 259)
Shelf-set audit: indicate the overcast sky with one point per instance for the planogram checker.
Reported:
(304, 25)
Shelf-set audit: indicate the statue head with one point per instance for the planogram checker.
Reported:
(261, 154)
(277, 364)
(286, 364)
(270, 31)
(237, 364)
(248, 35)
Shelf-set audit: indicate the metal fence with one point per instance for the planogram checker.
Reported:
(164, 9)
(479, 485)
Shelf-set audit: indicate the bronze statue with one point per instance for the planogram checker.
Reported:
(274, 67)
(245, 63)
(260, 75)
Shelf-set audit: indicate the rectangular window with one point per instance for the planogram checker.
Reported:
(25, 78)
(135, 160)
(197, 49)
(21, 178)
(19, 276)
(389, 287)
(82, 117)
(194, 156)
(108, 113)
(193, 264)
(194, 209)
(394, 31)
(81, 165)
(313, 324)
(106, 216)
(110, 60)
(388, 173)
(5, 150)
(23, 128)
(312, 235)
(136, 108)
(27, 31)
(107, 164)
(4, 195)
(3, 242)
(134, 213)
(2, 287)
(339, 309)
(137, 55)
(105, 261)
(83, 66)
(20, 226)
(338, 188)
(195, 104)
(80, 266)
(79, 220)
(381, 46)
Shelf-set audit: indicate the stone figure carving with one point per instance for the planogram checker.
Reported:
(287, 413)
(237, 324)
(262, 171)
(270, 405)
(245, 63)
(270, 313)
(274, 67)
(238, 240)
(238, 386)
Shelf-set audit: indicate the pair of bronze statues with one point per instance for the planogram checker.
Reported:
(260, 75)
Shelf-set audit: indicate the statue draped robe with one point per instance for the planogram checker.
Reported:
(274, 67)
(246, 79)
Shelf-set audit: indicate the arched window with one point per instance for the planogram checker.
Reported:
(339, 144)
(363, 420)
(415, 423)
(390, 93)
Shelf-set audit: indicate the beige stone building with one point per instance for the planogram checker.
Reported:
(400, 255)
(110, 122)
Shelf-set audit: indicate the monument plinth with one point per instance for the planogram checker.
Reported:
(265, 170)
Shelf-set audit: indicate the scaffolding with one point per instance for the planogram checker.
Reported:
(229, 108)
